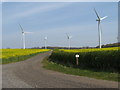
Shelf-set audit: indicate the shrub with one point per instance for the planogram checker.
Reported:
(99, 60)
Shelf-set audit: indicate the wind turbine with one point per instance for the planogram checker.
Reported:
(99, 19)
(69, 37)
(45, 42)
(23, 36)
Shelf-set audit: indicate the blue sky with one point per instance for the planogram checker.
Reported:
(54, 20)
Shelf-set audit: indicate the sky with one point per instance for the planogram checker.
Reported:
(54, 20)
(0, 25)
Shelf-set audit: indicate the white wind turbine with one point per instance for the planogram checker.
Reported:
(99, 19)
(23, 36)
(69, 37)
(45, 42)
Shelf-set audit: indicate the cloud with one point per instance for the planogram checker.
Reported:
(38, 9)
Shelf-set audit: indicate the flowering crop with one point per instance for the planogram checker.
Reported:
(15, 54)
(90, 50)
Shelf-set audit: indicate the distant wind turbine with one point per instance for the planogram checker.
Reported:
(23, 36)
(99, 19)
(45, 42)
(69, 37)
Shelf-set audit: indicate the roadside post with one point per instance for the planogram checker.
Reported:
(77, 56)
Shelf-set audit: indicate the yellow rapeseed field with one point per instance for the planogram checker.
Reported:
(12, 53)
(7, 53)
(90, 50)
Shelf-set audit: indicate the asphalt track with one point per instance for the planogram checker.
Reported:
(30, 74)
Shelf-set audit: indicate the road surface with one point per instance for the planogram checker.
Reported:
(30, 74)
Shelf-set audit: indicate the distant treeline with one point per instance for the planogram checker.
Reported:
(103, 46)
(111, 45)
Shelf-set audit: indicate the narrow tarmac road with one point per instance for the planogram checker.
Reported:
(30, 74)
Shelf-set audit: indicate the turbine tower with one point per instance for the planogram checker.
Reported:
(45, 42)
(69, 37)
(99, 19)
(23, 36)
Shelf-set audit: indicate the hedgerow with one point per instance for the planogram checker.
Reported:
(98, 59)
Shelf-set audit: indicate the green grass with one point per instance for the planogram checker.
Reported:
(80, 72)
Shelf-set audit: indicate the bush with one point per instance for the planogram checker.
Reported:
(99, 60)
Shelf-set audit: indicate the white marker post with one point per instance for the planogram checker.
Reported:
(77, 56)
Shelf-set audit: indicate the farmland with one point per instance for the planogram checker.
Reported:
(96, 63)
(99, 59)
(14, 55)
(90, 50)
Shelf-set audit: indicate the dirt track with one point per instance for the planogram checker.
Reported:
(30, 74)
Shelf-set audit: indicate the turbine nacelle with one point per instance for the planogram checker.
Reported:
(68, 37)
(98, 20)
(22, 32)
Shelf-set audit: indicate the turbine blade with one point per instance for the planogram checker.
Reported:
(103, 17)
(70, 36)
(96, 14)
(67, 36)
(28, 32)
(21, 28)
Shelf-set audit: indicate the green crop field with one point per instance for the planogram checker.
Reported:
(14, 55)
(99, 59)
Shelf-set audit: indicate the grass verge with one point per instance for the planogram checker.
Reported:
(80, 72)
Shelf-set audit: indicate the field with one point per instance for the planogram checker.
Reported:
(95, 63)
(90, 50)
(105, 59)
(14, 55)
